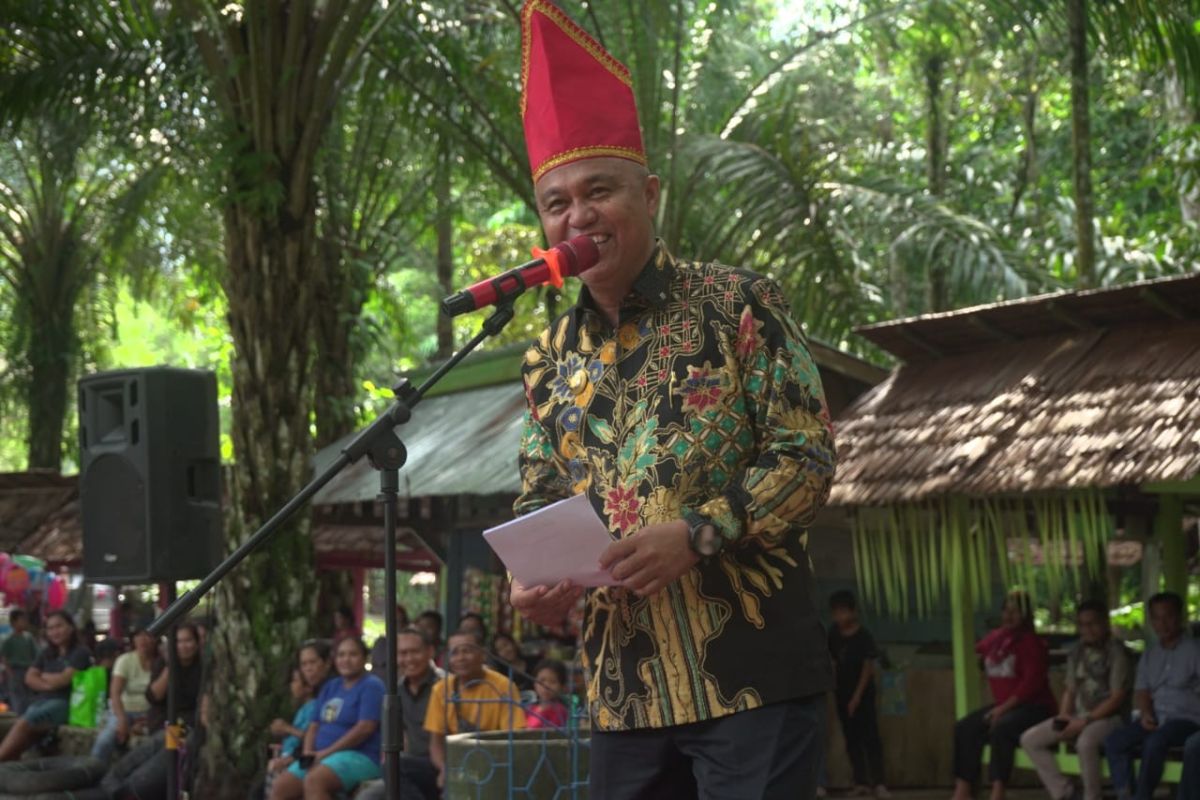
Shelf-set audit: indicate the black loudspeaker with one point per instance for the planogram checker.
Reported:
(150, 475)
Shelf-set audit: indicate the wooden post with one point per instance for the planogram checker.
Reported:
(962, 623)
(1168, 530)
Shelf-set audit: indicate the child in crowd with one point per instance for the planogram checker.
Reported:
(550, 682)
(293, 734)
(854, 656)
(19, 650)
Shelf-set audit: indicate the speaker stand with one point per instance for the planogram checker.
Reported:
(172, 733)
(387, 453)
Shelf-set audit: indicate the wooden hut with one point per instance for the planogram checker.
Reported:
(1022, 443)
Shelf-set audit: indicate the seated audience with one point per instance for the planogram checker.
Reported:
(127, 703)
(141, 774)
(342, 745)
(1093, 704)
(1016, 663)
(472, 698)
(18, 651)
(418, 776)
(291, 732)
(49, 677)
(1166, 698)
(191, 676)
(508, 660)
(550, 682)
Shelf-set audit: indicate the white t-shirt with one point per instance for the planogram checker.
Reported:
(137, 680)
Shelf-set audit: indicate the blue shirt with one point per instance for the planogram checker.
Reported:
(340, 708)
(304, 716)
(1173, 679)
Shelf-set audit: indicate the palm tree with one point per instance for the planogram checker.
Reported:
(64, 211)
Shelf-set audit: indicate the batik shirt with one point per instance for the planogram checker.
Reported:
(706, 398)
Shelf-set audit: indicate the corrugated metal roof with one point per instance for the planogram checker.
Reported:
(462, 443)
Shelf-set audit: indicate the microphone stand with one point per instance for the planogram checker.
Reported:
(379, 442)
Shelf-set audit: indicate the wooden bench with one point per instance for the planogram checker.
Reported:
(1068, 762)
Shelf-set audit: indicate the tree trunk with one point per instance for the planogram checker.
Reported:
(935, 160)
(1081, 146)
(276, 70)
(444, 225)
(1184, 119)
(334, 322)
(51, 354)
(1027, 173)
(265, 607)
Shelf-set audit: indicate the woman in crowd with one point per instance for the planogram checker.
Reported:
(342, 744)
(127, 702)
(1015, 661)
(49, 678)
(191, 676)
(508, 661)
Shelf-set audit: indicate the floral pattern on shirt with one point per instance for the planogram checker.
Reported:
(703, 397)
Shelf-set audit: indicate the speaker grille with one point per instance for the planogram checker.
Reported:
(113, 502)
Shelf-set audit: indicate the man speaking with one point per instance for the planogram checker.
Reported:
(680, 396)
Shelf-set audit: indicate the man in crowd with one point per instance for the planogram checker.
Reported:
(681, 398)
(1093, 705)
(472, 698)
(1166, 697)
(418, 775)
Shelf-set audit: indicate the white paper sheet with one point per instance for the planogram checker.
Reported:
(564, 540)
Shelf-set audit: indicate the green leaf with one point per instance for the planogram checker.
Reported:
(601, 429)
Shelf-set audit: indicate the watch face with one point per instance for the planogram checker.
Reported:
(708, 541)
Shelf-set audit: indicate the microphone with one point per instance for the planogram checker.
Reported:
(565, 259)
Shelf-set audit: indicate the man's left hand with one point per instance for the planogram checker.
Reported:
(647, 561)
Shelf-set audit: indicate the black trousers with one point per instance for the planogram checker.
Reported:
(769, 753)
(863, 744)
(972, 733)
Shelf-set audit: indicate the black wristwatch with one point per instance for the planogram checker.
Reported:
(703, 536)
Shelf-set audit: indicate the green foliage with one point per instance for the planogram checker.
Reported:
(879, 159)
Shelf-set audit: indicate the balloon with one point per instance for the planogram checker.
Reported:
(56, 594)
(17, 581)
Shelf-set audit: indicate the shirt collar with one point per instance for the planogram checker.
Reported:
(651, 289)
(429, 679)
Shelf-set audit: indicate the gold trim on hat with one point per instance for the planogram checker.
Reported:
(580, 36)
(579, 153)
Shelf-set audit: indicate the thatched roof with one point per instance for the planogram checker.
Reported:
(1075, 390)
(39, 516)
(27, 499)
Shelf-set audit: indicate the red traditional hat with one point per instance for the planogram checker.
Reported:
(576, 99)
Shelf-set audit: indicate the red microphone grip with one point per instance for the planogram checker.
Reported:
(574, 256)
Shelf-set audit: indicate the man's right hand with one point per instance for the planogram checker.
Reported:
(1149, 723)
(544, 605)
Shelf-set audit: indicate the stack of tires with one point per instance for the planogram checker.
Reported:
(57, 778)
